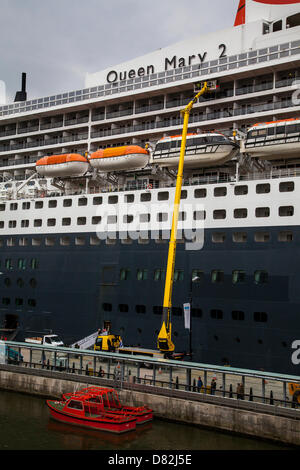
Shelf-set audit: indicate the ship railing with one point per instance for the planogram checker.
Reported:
(162, 375)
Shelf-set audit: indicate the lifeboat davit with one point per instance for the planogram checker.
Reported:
(202, 150)
(66, 165)
(127, 157)
(274, 140)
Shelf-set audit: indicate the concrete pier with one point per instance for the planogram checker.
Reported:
(258, 420)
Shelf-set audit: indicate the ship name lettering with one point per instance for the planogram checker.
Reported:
(113, 76)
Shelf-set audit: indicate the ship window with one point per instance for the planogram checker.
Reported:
(241, 190)
(159, 275)
(12, 224)
(2, 207)
(39, 204)
(145, 197)
(196, 312)
(82, 201)
(218, 237)
(52, 203)
(37, 223)
(107, 307)
(81, 220)
(183, 194)
(216, 314)
(197, 276)
(64, 241)
(181, 216)
(111, 219)
(238, 315)
(261, 277)
(217, 276)
(280, 130)
(144, 218)
(140, 308)
(260, 316)
(162, 217)
(219, 214)
(158, 310)
(277, 26)
(262, 212)
(285, 236)
(1, 224)
(240, 213)
(77, 405)
(33, 283)
(66, 221)
(21, 263)
(51, 222)
(262, 188)
(129, 198)
(124, 274)
(97, 201)
(96, 220)
(24, 223)
(112, 199)
(13, 206)
(178, 275)
(199, 215)
(80, 241)
(94, 241)
(126, 241)
(220, 191)
(262, 237)
(163, 196)
(286, 186)
(293, 128)
(286, 211)
(67, 203)
(127, 219)
(26, 205)
(50, 241)
(10, 242)
(293, 21)
(23, 241)
(142, 274)
(238, 276)
(34, 263)
(200, 193)
(36, 241)
(123, 308)
(8, 264)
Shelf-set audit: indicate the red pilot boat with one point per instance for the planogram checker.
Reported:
(111, 404)
(86, 409)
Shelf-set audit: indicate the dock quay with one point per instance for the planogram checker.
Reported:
(265, 409)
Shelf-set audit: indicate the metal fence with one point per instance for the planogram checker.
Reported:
(223, 382)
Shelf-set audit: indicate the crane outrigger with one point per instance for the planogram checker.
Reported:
(164, 340)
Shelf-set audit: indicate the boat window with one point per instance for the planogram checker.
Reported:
(220, 191)
(174, 143)
(240, 213)
(216, 314)
(241, 190)
(262, 212)
(200, 193)
(67, 203)
(260, 277)
(286, 211)
(216, 139)
(293, 128)
(217, 276)
(162, 146)
(260, 316)
(239, 237)
(219, 214)
(263, 188)
(163, 196)
(66, 221)
(280, 130)
(218, 237)
(82, 201)
(238, 276)
(81, 220)
(271, 131)
(52, 203)
(286, 186)
(286, 236)
(77, 405)
(200, 141)
(293, 21)
(277, 26)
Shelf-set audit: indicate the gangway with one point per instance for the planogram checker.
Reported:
(86, 342)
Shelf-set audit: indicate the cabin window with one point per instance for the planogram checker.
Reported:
(241, 190)
(286, 211)
(240, 213)
(238, 276)
(262, 212)
(79, 241)
(159, 275)
(216, 314)
(82, 201)
(178, 275)
(128, 219)
(142, 274)
(285, 236)
(162, 217)
(52, 203)
(21, 263)
(197, 276)
(277, 26)
(34, 264)
(10, 242)
(200, 193)
(123, 308)
(145, 197)
(163, 196)
(286, 186)
(181, 216)
(112, 199)
(129, 198)
(64, 241)
(217, 276)
(51, 222)
(2, 207)
(124, 274)
(39, 204)
(199, 215)
(77, 405)
(144, 218)
(50, 241)
(262, 188)
(107, 307)
(218, 192)
(219, 214)
(140, 308)
(238, 315)
(67, 203)
(24, 223)
(293, 21)
(261, 277)
(13, 206)
(94, 241)
(262, 237)
(81, 220)
(96, 220)
(97, 201)
(37, 223)
(218, 237)
(66, 221)
(260, 316)
(12, 224)
(26, 205)
(36, 241)
(23, 241)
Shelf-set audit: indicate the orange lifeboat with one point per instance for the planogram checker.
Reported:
(66, 165)
(128, 157)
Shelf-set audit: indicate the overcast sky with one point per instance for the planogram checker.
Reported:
(56, 42)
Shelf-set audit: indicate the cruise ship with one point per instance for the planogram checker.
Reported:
(87, 183)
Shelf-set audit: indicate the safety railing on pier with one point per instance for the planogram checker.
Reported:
(225, 382)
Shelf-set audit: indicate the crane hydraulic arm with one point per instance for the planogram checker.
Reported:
(164, 341)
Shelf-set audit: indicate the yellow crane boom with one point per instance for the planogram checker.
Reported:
(164, 341)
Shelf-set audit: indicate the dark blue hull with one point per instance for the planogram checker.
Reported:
(73, 289)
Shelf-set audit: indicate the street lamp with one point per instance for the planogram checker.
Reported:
(193, 279)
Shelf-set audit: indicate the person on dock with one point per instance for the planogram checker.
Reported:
(213, 386)
(199, 384)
